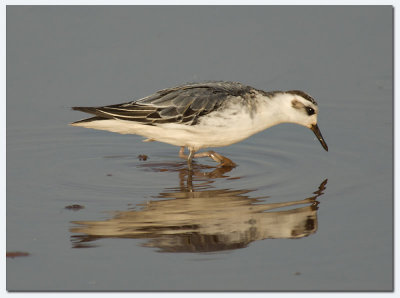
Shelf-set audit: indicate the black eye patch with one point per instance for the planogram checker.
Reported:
(310, 111)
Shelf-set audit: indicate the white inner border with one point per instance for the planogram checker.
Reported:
(3, 5)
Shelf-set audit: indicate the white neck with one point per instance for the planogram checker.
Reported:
(272, 112)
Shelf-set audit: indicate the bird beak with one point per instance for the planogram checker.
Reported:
(316, 131)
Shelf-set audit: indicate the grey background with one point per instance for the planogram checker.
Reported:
(58, 57)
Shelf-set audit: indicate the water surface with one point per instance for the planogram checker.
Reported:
(289, 217)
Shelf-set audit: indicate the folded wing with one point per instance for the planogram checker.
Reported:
(182, 104)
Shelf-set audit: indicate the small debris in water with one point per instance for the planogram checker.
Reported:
(109, 174)
(142, 157)
(14, 254)
(297, 273)
(74, 207)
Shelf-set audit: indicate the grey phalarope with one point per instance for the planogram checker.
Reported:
(202, 115)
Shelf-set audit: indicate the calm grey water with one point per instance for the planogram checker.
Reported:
(290, 216)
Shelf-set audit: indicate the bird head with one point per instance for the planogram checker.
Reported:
(302, 109)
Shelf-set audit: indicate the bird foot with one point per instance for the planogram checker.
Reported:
(222, 160)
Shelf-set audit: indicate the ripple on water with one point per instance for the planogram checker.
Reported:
(100, 166)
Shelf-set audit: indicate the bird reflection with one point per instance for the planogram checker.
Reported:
(195, 217)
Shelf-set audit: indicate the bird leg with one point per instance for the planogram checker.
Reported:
(182, 153)
(189, 157)
(222, 160)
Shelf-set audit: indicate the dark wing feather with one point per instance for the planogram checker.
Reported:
(182, 104)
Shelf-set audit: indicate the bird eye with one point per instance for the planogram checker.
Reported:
(310, 111)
